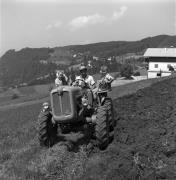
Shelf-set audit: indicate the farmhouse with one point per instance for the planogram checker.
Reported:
(161, 61)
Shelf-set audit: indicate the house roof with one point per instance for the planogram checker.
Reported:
(160, 52)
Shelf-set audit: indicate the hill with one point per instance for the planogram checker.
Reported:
(37, 65)
(114, 48)
(144, 145)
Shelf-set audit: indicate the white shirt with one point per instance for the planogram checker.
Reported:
(109, 78)
(59, 82)
(89, 80)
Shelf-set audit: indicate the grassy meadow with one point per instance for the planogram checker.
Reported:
(22, 158)
(24, 94)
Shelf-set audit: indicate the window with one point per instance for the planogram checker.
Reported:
(156, 65)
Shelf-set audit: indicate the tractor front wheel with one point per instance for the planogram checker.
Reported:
(47, 131)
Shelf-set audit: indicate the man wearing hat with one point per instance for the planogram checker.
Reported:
(86, 82)
(88, 79)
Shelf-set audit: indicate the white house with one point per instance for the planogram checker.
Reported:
(159, 61)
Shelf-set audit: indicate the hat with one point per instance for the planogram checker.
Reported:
(103, 69)
(82, 67)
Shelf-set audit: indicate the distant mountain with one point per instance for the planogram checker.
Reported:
(122, 47)
(29, 64)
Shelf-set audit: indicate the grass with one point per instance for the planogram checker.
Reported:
(28, 93)
(21, 157)
(18, 140)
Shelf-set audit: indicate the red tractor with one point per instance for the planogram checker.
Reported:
(70, 106)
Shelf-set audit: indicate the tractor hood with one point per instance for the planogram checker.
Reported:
(64, 103)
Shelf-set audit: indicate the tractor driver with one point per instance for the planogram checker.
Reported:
(84, 77)
(89, 83)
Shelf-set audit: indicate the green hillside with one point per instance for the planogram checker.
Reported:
(122, 47)
(36, 65)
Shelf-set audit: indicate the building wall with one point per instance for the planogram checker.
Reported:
(157, 66)
(154, 74)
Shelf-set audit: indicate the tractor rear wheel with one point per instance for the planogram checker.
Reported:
(47, 131)
(109, 107)
(102, 126)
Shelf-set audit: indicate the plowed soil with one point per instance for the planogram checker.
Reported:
(144, 145)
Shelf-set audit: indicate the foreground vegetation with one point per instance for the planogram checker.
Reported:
(21, 157)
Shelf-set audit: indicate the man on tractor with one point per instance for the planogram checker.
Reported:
(86, 82)
(84, 77)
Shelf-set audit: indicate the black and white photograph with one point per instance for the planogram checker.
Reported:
(87, 89)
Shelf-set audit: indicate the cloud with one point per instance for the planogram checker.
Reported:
(54, 25)
(85, 21)
(116, 15)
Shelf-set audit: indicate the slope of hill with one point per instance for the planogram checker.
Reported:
(144, 145)
(23, 66)
(26, 65)
(122, 47)
(61, 55)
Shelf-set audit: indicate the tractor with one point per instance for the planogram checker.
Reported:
(73, 105)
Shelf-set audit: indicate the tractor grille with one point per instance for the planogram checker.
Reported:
(61, 104)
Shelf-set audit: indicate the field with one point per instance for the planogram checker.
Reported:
(143, 146)
(24, 94)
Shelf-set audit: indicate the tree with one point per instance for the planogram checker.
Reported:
(126, 71)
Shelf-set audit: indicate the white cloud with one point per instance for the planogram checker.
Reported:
(85, 21)
(54, 25)
(116, 15)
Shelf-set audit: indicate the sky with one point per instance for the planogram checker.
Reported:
(52, 23)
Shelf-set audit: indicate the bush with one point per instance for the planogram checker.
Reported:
(116, 75)
(137, 73)
(126, 71)
(15, 96)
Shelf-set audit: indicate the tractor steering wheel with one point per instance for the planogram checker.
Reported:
(81, 84)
